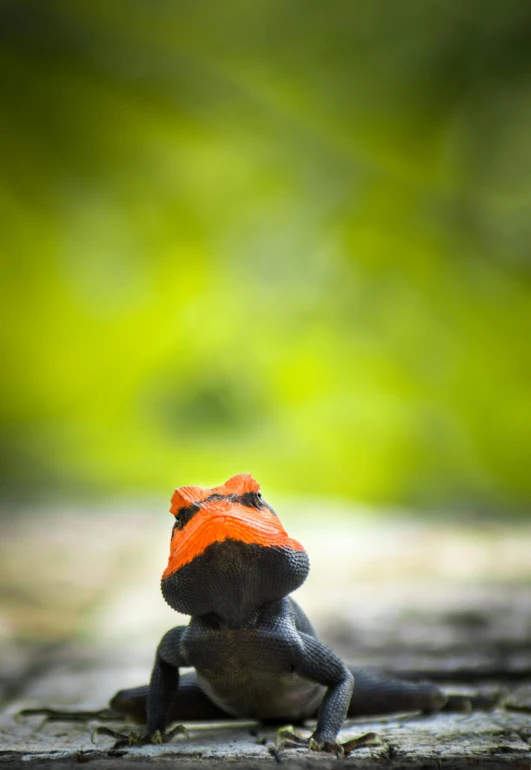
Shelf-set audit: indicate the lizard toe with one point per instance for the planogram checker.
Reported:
(167, 736)
(341, 749)
(122, 739)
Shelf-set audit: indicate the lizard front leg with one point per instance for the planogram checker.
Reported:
(315, 661)
(164, 683)
(162, 689)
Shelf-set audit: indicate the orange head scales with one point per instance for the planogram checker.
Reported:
(229, 553)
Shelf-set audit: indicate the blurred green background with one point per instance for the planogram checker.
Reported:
(284, 238)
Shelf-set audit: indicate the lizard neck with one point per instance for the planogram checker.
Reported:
(234, 581)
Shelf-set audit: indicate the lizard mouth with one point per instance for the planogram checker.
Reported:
(223, 521)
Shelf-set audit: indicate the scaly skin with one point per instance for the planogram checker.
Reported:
(231, 568)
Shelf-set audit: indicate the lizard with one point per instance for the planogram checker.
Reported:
(254, 653)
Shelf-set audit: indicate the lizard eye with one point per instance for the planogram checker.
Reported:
(184, 515)
(251, 499)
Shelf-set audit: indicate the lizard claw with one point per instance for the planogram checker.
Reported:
(356, 743)
(177, 730)
(290, 740)
(287, 739)
(332, 747)
(166, 737)
(124, 740)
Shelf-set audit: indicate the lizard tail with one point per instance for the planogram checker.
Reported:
(379, 694)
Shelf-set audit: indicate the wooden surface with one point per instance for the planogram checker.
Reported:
(81, 615)
(497, 739)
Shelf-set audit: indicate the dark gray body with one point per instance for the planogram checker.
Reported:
(274, 669)
(253, 671)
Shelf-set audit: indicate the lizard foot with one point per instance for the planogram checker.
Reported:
(124, 740)
(290, 740)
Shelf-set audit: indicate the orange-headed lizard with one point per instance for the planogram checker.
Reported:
(254, 652)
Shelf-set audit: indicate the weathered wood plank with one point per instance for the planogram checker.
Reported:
(495, 739)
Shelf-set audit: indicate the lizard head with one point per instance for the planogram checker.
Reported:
(229, 553)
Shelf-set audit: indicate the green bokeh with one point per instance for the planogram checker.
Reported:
(285, 238)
